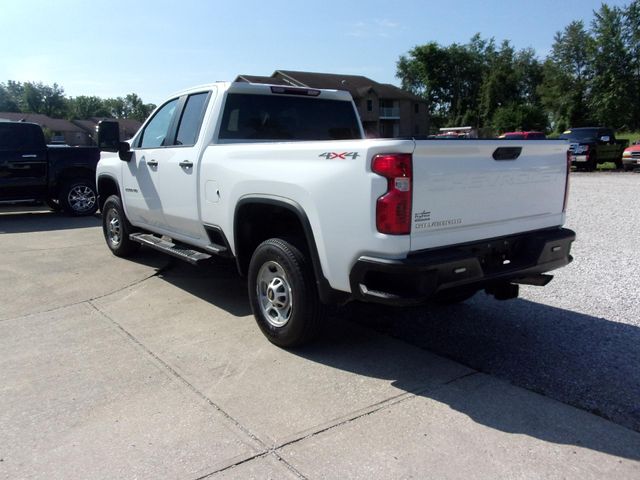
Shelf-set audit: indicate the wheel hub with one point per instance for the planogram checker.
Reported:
(114, 230)
(81, 198)
(274, 294)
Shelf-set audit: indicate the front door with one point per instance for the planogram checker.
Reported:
(179, 171)
(141, 176)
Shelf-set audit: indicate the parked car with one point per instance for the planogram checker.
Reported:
(631, 157)
(282, 180)
(591, 146)
(523, 136)
(62, 177)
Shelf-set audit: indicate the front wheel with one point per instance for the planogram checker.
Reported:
(116, 228)
(78, 197)
(282, 292)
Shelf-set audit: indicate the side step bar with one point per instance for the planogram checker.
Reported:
(174, 249)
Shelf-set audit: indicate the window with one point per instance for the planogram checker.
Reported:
(192, 119)
(157, 129)
(416, 108)
(20, 136)
(284, 118)
(369, 105)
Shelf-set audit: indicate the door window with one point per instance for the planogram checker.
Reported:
(156, 131)
(192, 119)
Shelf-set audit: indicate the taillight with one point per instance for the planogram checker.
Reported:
(566, 182)
(393, 209)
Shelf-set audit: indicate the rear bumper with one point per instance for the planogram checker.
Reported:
(421, 275)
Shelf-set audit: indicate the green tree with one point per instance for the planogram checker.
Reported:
(7, 102)
(631, 31)
(567, 74)
(612, 86)
(54, 102)
(83, 106)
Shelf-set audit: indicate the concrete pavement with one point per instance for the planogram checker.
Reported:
(155, 369)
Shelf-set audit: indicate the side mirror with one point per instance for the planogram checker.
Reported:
(108, 135)
(124, 151)
(605, 139)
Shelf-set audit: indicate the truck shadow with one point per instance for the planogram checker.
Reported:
(584, 361)
(42, 220)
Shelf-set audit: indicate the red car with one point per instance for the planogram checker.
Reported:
(523, 136)
(631, 157)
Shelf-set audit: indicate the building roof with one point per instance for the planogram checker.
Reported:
(53, 124)
(357, 85)
(261, 79)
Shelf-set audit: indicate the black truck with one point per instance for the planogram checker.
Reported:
(62, 177)
(593, 145)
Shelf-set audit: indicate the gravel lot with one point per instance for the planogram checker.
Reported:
(576, 340)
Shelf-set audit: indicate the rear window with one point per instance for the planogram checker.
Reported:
(249, 117)
(20, 136)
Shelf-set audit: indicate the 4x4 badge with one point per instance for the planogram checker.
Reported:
(340, 156)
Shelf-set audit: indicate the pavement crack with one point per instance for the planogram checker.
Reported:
(159, 271)
(183, 380)
(453, 380)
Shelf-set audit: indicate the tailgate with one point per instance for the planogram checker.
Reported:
(462, 194)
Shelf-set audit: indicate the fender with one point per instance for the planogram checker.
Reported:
(328, 295)
(107, 176)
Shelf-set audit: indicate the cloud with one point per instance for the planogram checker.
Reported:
(378, 27)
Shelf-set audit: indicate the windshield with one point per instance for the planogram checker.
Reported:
(580, 135)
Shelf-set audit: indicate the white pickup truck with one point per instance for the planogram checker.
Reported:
(282, 180)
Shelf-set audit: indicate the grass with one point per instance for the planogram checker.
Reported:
(631, 136)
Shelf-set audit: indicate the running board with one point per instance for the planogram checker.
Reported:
(177, 250)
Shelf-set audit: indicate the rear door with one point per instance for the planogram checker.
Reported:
(469, 190)
(608, 150)
(23, 162)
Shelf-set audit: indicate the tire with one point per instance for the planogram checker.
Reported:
(116, 228)
(78, 197)
(592, 163)
(54, 205)
(283, 295)
(453, 297)
(619, 165)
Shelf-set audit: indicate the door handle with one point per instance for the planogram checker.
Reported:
(152, 163)
(186, 164)
(507, 153)
(31, 155)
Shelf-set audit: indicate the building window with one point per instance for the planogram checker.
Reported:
(416, 107)
(369, 105)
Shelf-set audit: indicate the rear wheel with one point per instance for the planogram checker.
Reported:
(78, 197)
(282, 292)
(116, 228)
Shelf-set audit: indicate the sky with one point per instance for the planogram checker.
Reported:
(156, 47)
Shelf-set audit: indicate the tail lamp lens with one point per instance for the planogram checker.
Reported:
(393, 209)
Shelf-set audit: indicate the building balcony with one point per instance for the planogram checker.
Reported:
(390, 112)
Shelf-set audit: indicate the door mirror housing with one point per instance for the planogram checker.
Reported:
(108, 135)
(605, 139)
(124, 151)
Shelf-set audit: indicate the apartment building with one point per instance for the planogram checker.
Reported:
(385, 110)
